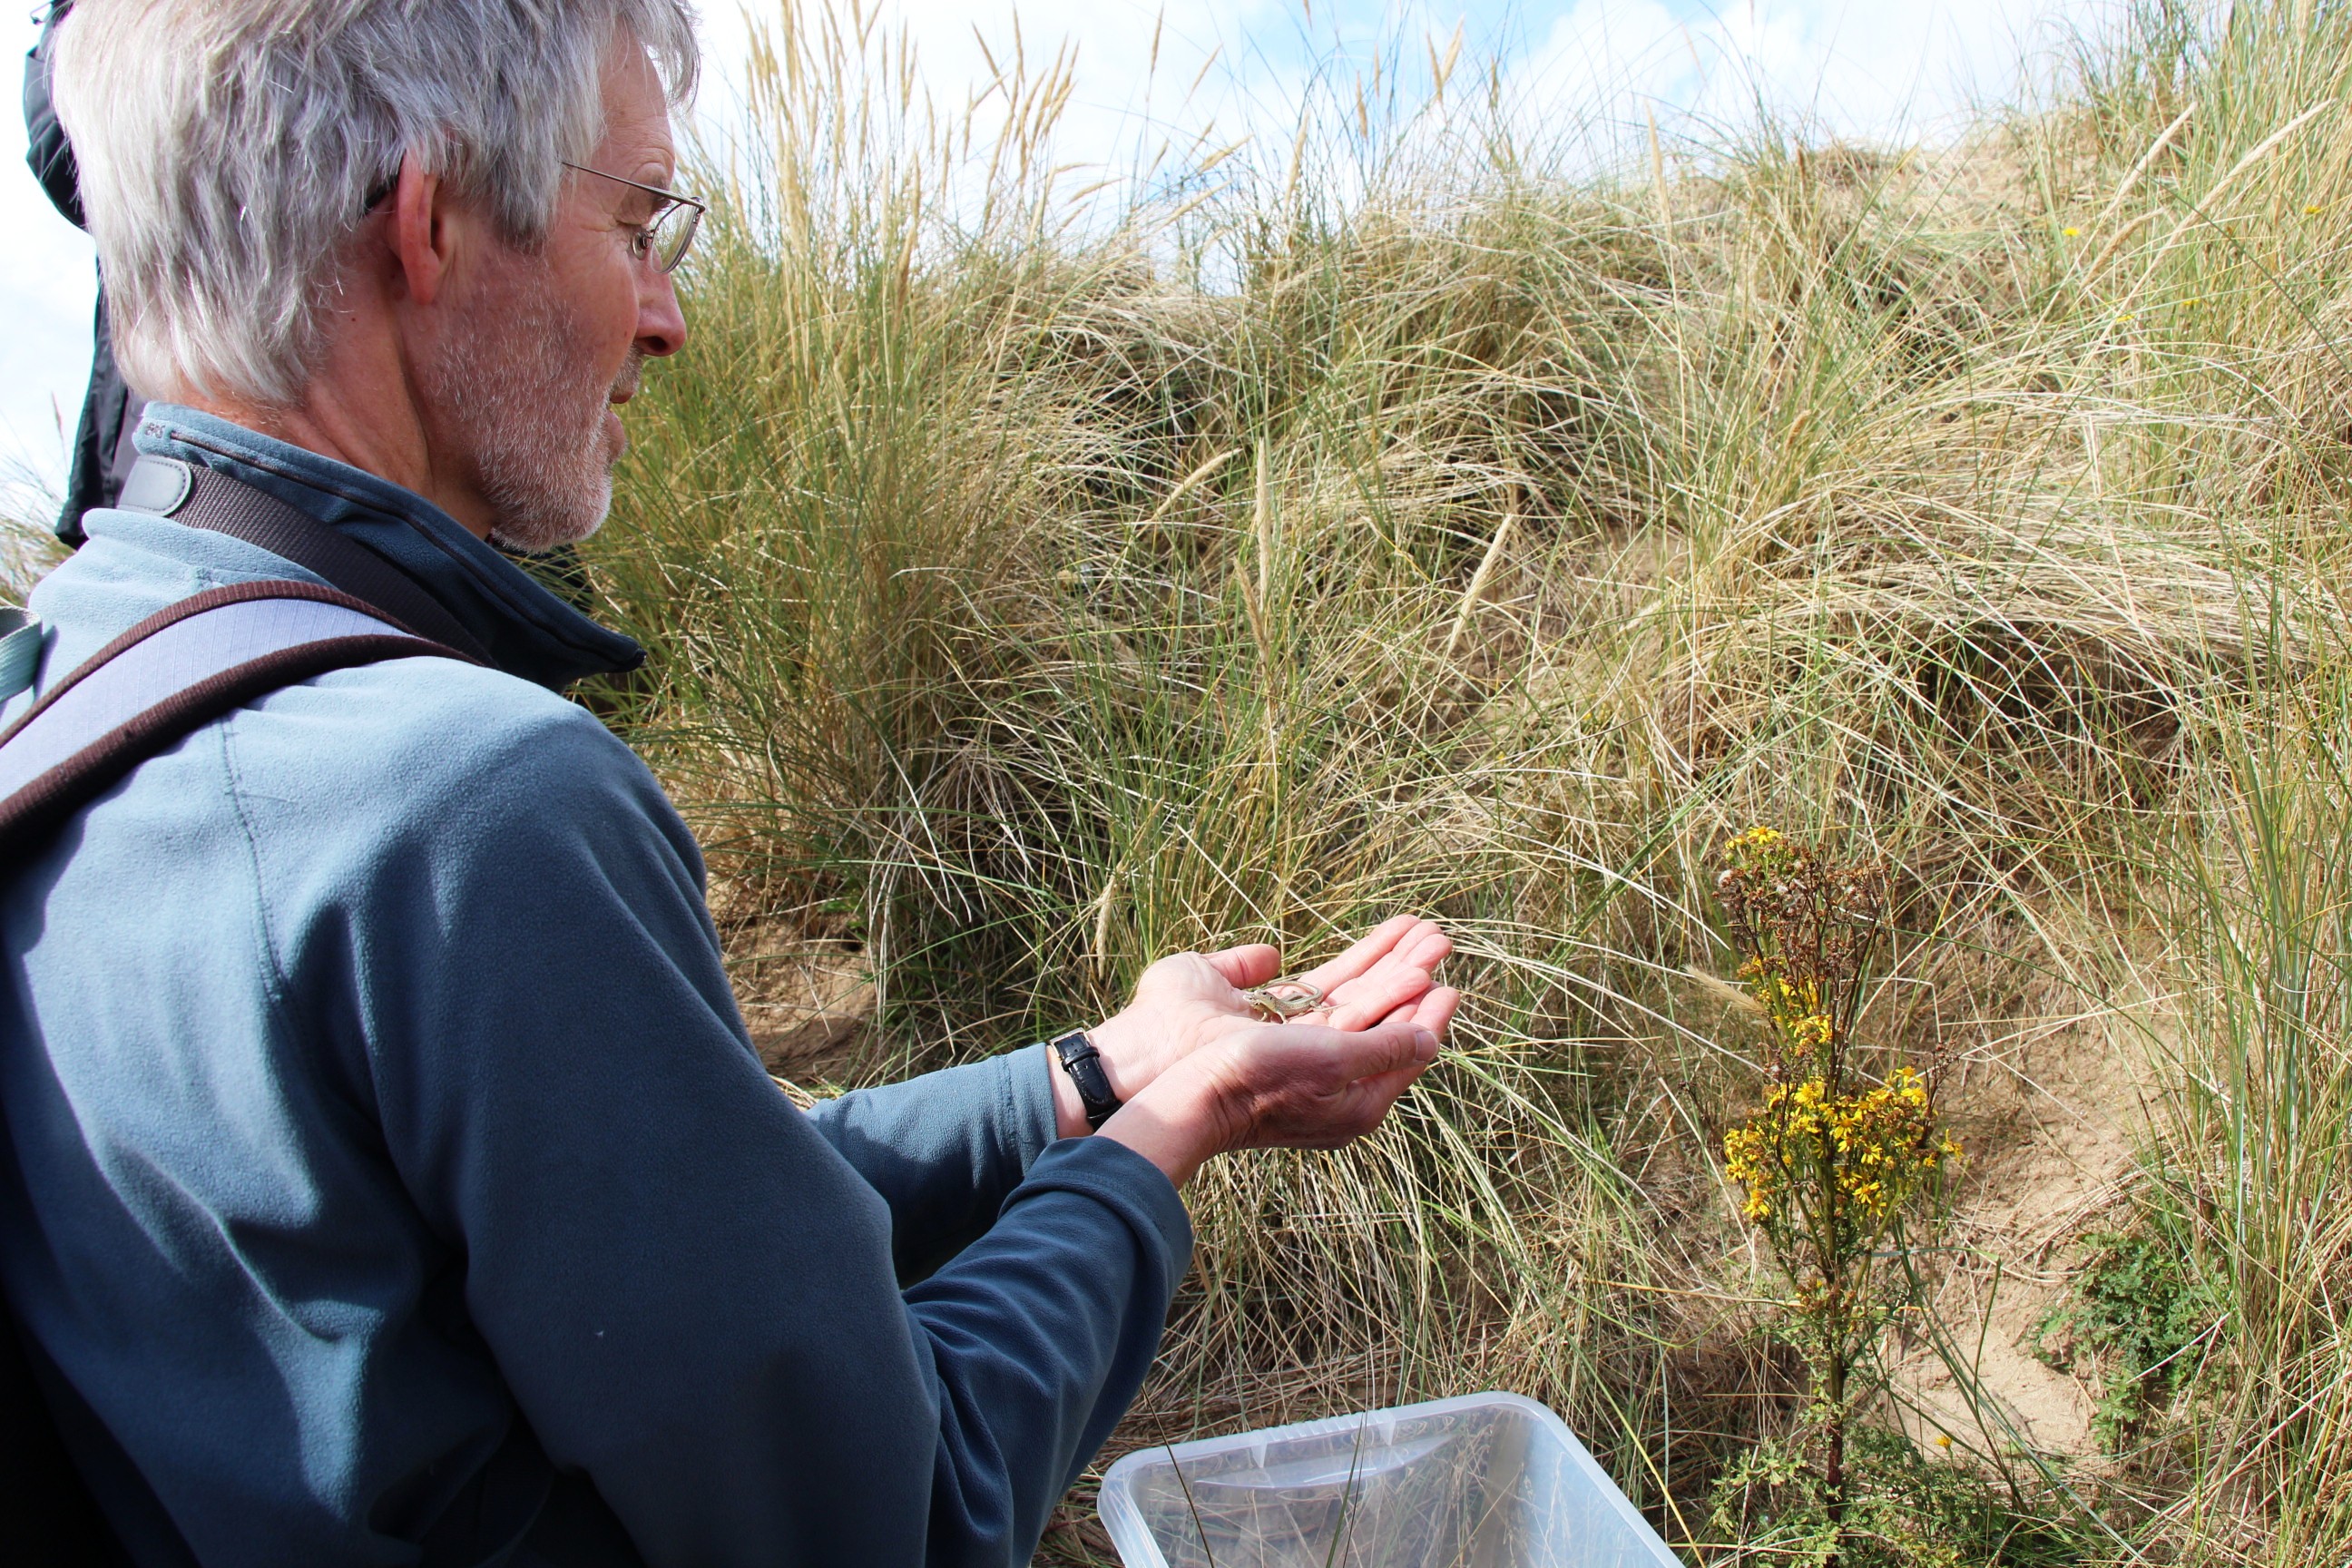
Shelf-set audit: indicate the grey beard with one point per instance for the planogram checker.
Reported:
(536, 424)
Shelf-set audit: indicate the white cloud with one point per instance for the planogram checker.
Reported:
(1865, 68)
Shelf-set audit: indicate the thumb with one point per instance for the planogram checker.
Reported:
(1243, 967)
(1387, 1048)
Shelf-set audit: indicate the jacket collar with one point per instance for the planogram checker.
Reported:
(527, 630)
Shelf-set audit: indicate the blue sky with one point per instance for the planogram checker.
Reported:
(1893, 70)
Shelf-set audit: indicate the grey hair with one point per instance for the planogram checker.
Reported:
(227, 148)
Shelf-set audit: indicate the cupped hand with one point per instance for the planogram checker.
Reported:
(1192, 999)
(1292, 1086)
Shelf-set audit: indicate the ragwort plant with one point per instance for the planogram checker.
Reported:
(1833, 1161)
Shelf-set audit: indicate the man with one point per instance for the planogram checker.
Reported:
(390, 1177)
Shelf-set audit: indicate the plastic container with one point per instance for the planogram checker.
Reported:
(1488, 1480)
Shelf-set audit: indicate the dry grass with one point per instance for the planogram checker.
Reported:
(1030, 599)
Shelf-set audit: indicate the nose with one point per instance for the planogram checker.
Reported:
(661, 322)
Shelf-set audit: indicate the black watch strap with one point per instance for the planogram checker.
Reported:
(1084, 1064)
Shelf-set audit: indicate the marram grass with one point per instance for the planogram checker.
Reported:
(1417, 518)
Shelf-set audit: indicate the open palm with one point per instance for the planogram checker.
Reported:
(1190, 1000)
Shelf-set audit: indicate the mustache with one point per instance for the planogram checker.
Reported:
(632, 370)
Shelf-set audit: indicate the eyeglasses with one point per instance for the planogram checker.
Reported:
(664, 237)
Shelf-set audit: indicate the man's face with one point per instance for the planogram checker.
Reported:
(554, 339)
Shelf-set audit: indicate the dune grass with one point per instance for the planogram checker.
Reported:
(1414, 517)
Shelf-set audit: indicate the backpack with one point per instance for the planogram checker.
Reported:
(174, 672)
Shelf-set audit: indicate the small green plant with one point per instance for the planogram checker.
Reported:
(1835, 1159)
(2140, 1314)
(1906, 1509)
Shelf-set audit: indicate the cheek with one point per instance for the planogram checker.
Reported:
(611, 320)
(598, 287)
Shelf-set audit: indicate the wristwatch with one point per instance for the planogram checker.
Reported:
(1084, 1064)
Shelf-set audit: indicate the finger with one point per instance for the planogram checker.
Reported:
(1365, 1002)
(1432, 1011)
(1398, 976)
(1423, 948)
(1368, 1053)
(1375, 945)
(1254, 964)
(1436, 1010)
(1378, 1093)
(1401, 977)
(1426, 948)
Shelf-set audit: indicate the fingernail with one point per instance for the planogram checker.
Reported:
(1425, 1044)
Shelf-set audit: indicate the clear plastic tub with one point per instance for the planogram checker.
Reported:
(1488, 1480)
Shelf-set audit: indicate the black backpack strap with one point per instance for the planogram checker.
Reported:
(206, 498)
(179, 668)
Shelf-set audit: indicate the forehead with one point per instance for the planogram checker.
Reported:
(637, 110)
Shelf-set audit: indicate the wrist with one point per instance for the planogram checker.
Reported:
(1126, 1045)
(1069, 1110)
(1170, 1124)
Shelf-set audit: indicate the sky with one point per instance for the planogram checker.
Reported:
(1891, 71)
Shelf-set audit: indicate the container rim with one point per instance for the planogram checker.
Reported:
(1115, 1504)
(1324, 1425)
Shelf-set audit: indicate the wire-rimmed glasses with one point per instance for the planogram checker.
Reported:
(665, 237)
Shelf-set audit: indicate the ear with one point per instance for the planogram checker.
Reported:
(421, 233)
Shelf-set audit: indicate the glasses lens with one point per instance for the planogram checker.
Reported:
(674, 233)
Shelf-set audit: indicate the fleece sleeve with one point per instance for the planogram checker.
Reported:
(689, 1289)
(944, 1149)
